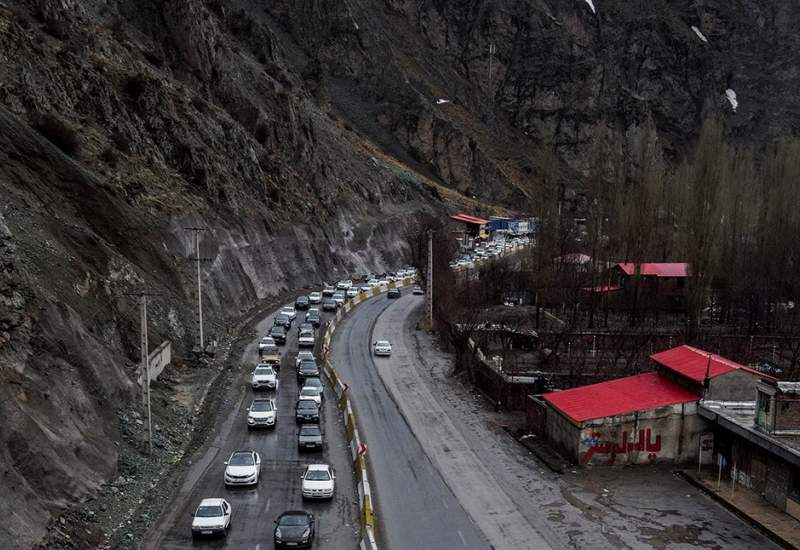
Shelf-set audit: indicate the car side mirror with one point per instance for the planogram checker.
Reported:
(191, 514)
(226, 463)
(228, 512)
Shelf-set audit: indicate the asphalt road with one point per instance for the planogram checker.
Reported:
(416, 509)
(255, 509)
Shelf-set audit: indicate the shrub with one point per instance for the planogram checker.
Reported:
(109, 156)
(59, 133)
(262, 132)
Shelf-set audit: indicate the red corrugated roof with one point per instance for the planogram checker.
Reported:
(618, 397)
(657, 269)
(465, 218)
(692, 363)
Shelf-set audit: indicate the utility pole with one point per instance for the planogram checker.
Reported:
(145, 367)
(198, 259)
(492, 50)
(430, 280)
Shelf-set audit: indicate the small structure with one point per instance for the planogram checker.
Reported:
(757, 443)
(656, 282)
(712, 376)
(474, 227)
(634, 420)
(512, 226)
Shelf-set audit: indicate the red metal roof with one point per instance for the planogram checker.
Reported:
(465, 218)
(692, 363)
(656, 269)
(618, 397)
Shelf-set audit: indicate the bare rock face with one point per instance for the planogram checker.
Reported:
(192, 34)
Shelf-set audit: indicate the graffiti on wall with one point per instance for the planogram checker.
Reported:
(644, 443)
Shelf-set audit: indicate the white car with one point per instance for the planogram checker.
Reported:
(383, 348)
(352, 292)
(265, 342)
(243, 468)
(344, 285)
(304, 355)
(315, 298)
(365, 288)
(372, 283)
(264, 377)
(289, 311)
(311, 393)
(319, 481)
(306, 339)
(261, 413)
(338, 297)
(212, 517)
(417, 290)
(383, 282)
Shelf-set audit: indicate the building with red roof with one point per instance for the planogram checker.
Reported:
(661, 284)
(633, 420)
(713, 376)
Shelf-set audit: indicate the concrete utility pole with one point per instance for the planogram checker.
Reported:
(430, 280)
(492, 50)
(145, 367)
(198, 259)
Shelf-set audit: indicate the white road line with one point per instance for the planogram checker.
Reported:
(461, 536)
(266, 509)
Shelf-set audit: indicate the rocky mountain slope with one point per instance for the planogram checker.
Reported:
(305, 135)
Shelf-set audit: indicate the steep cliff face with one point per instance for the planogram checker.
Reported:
(305, 135)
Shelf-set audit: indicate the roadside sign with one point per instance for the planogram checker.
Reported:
(362, 449)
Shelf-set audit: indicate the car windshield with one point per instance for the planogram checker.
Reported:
(305, 404)
(241, 459)
(310, 363)
(294, 520)
(306, 334)
(382, 343)
(318, 475)
(309, 392)
(281, 318)
(277, 330)
(310, 429)
(271, 349)
(313, 383)
(209, 511)
(261, 406)
(264, 371)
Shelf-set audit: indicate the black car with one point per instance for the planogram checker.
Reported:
(307, 369)
(278, 334)
(306, 411)
(294, 528)
(309, 438)
(301, 302)
(283, 321)
(394, 293)
(314, 319)
(305, 326)
(329, 304)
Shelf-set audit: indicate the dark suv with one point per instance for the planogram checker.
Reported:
(301, 302)
(307, 369)
(306, 411)
(393, 293)
(278, 334)
(284, 321)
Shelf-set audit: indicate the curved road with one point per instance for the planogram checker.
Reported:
(424, 511)
(254, 510)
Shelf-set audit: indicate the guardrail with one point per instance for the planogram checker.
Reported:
(358, 448)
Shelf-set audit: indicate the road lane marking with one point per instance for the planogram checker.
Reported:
(464, 542)
(266, 508)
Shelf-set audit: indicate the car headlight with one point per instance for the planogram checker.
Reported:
(306, 533)
(251, 420)
(278, 534)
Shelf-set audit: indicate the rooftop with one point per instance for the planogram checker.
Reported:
(656, 269)
(694, 363)
(466, 218)
(618, 397)
(739, 418)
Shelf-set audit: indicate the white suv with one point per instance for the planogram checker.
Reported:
(212, 517)
(319, 481)
(261, 413)
(289, 311)
(315, 297)
(344, 285)
(243, 468)
(264, 378)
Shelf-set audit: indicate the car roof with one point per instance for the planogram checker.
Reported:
(324, 467)
(211, 502)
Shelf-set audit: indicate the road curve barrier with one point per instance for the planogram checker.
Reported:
(358, 447)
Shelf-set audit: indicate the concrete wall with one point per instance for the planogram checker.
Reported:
(787, 412)
(737, 385)
(666, 434)
(159, 359)
(562, 434)
(760, 471)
